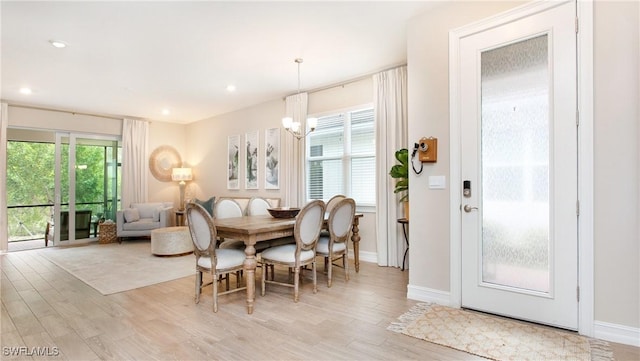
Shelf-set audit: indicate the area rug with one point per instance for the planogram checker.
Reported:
(496, 338)
(114, 267)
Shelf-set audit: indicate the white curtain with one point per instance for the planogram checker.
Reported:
(390, 103)
(135, 163)
(4, 233)
(294, 151)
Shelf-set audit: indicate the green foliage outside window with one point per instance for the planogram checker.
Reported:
(30, 182)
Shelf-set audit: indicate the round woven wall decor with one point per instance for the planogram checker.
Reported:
(162, 160)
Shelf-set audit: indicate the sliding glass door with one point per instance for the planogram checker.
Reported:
(87, 184)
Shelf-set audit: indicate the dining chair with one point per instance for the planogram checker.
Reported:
(258, 206)
(306, 233)
(228, 208)
(330, 204)
(335, 246)
(215, 261)
(333, 201)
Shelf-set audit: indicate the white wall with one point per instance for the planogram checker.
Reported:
(617, 276)
(616, 118)
(62, 121)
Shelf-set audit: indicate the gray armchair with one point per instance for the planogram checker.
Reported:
(141, 218)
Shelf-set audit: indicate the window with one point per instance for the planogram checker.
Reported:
(341, 157)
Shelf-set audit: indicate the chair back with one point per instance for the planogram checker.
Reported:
(203, 231)
(308, 225)
(258, 206)
(333, 201)
(227, 208)
(341, 219)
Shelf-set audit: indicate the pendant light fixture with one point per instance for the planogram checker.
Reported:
(294, 127)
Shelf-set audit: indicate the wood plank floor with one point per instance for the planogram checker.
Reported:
(45, 307)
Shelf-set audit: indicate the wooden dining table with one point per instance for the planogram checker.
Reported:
(254, 229)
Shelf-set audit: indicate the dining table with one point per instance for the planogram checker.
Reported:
(254, 229)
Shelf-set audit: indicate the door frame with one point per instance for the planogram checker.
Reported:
(585, 151)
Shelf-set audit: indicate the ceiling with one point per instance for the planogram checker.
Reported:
(137, 58)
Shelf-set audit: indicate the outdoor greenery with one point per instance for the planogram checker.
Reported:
(30, 185)
(400, 172)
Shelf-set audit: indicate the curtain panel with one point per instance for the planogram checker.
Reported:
(390, 111)
(135, 161)
(294, 152)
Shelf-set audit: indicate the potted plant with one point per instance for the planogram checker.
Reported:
(401, 173)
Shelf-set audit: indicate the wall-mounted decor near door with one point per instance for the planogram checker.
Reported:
(162, 161)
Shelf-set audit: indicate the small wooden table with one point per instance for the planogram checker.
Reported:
(254, 229)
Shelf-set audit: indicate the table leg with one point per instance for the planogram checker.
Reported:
(406, 240)
(250, 274)
(355, 238)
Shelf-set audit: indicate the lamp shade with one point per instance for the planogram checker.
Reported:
(181, 174)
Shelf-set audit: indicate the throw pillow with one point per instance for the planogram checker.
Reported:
(131, 215)
(208, 204)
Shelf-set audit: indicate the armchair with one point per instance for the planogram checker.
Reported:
(141, 218)
(83, 226)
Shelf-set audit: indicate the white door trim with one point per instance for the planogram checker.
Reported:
(585, 152)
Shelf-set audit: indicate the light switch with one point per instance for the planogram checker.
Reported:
(437, 182)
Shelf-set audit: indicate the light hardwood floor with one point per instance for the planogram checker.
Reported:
(44, 306)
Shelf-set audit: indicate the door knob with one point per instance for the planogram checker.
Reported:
(468, 208)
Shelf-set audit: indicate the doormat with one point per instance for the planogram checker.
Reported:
(495, 337)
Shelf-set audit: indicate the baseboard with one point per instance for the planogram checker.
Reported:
(429, 295)
(617, 333)
(370, 257)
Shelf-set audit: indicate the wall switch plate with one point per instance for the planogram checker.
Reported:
(437, 182)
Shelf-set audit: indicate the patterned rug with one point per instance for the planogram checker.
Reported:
(495, 337)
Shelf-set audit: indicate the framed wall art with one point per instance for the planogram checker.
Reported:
(272, 158)
(233, 168)
(251, 164)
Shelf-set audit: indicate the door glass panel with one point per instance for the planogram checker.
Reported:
(96, 181)
(515, 165)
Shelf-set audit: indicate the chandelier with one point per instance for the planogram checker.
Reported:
(294, 127)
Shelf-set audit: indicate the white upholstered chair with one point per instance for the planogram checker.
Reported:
(215, 261)
(258, 206)
(335, 246)
(228, 208)
(330, 204)
(306, 233)
(333, 201)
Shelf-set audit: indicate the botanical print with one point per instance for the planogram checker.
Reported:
(272, 158)
(233, 149)
(251, 173)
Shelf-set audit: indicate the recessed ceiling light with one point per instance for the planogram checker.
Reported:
(25, 91)
(231, 88)
(165, 111)
(58, 44)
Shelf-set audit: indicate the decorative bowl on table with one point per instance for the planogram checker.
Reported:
(284, 212)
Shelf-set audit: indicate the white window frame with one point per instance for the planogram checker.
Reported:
(346, 155)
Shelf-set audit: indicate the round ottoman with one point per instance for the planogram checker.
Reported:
(171, 241)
